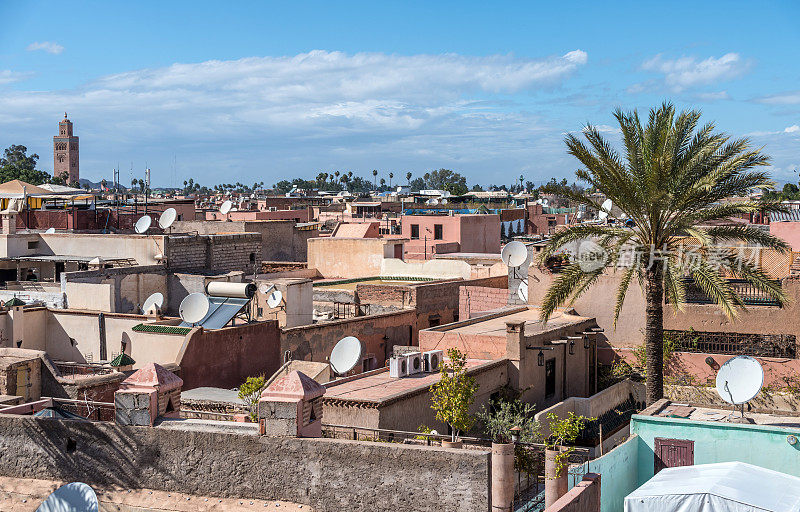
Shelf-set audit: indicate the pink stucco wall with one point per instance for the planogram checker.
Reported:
(789, 231)
(472, 233)
(303, 215)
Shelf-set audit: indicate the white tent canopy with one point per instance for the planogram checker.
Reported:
(722, 487)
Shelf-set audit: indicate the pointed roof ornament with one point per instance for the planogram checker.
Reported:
(296, 385)
(152, 375)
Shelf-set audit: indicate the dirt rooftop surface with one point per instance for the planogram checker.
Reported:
(21, 495)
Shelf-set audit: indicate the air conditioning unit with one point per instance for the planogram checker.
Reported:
(431, 360)
(414, 362)
(398, 367)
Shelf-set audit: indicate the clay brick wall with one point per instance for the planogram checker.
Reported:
(475, 299)
(325, 474)
(584, 497)
(442, 298)
(216, 253)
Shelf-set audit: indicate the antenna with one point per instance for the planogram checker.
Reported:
(143, 224)
(346, 355)
(739, 380)
(50, 231)
(155, 300)
(522, 291)
(193, 308)
(73, 496)
(514, 254)
(605, 209)
(274, 299)
(167, 218)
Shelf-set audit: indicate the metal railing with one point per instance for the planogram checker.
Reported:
(70, 369)
(394, 436)
(93, 411)
(750, 295)
(734, 343)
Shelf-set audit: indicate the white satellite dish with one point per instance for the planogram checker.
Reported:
(522, 291)
(580, 214)
(50, 231)
(444, 201)
(156, 299)
(226, 207)
(167, 218)
(143, 224)
(545, 202)
(605, 209)
(74, 497)
(266, 288)
(514, 254)
(274, 299)
(346, 354)
(193, 308)
(739, 380)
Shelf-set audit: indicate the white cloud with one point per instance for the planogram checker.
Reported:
(7, 76)
(792, 129)
(46, 46)
(688, 72)
(713, 96)
(786, 98)
(313, 109)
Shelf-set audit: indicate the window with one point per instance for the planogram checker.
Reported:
(434, 320)
(33, 244)
(437, 231)
(415, 231)
(549, 378)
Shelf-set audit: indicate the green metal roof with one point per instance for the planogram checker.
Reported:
(123, 360)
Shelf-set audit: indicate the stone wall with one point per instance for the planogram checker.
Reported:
(216, 253)
(328, 475)
(584, 497)
(442, 299)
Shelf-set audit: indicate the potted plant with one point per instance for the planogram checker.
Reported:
(563, 432)
(453, 395)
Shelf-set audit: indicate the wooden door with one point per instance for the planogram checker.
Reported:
(670, 453)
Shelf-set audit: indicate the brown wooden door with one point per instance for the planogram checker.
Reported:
(671, 453)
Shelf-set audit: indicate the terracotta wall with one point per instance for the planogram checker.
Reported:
(225, 357)
(346, 257)
(789, 231)
(477, 299)
(443, 298)
(584, 497)
(378, 333)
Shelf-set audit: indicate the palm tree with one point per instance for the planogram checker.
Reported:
(391, 175)
(375, 176)
(408, 177)
(670, 182)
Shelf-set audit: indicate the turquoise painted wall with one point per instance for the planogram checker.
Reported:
(618, 473)
(761, 445)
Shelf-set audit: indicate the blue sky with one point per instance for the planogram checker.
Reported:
(265, 91)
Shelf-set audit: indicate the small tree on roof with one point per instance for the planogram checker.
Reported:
(454, 394)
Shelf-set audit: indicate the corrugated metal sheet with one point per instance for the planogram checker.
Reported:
(790, 216)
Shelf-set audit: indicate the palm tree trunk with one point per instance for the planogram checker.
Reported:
(654, 334)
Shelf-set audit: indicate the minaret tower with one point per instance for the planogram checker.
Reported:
(65, 152)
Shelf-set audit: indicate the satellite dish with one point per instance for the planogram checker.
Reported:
(74, 497)
(444, 201)
(50, 231)
(266, 288)
(740, 379)
(545, 202)
(143, 224)
(193, 308)
(156, 299)
(514, 254)
(226, 207)
(580, 214)
(522, 291)
(605, 209)
(346, 354)
(274, 299)
(167, 218)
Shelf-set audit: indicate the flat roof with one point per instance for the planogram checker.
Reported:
(721, 415)
(380, 389)
(495, 325)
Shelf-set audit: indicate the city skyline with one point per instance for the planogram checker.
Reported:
(487, 91)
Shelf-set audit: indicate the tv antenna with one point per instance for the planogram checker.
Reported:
(605, 209)
(738, 381)
(522, 291)
(72, 496)
(226, 208)
(155, 300)
(274, 299)
(514, 255)
(194, 307)
(143, 224)
(346, 355)
(167, 218)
